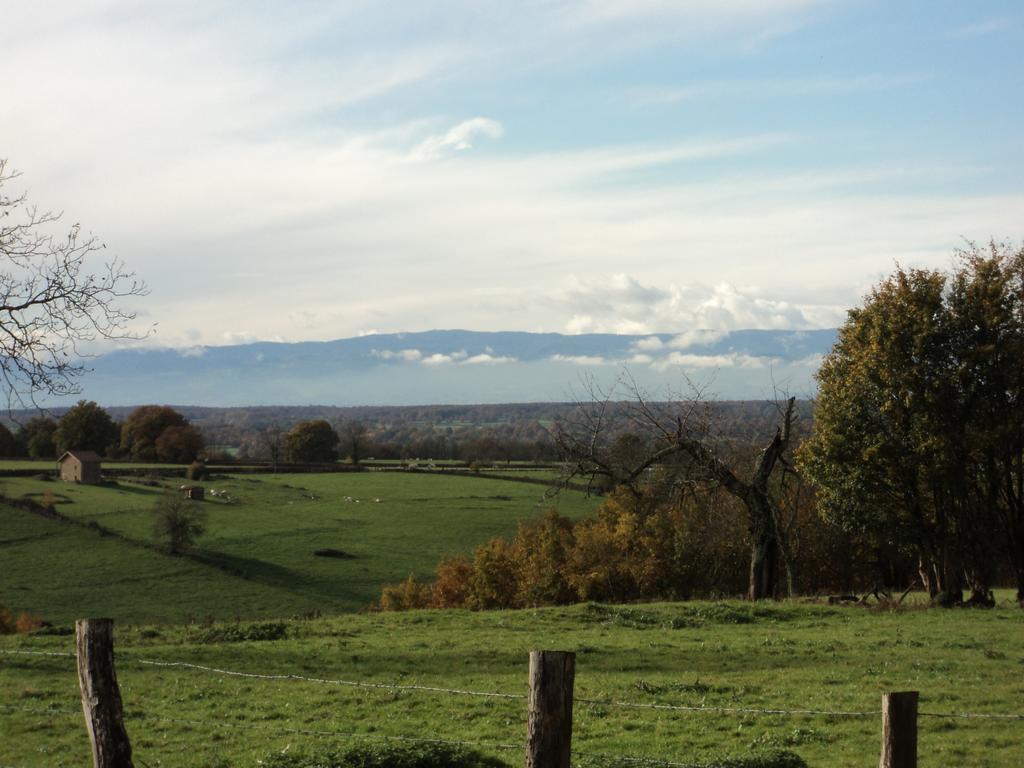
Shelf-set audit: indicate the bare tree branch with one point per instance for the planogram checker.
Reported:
(51, 303)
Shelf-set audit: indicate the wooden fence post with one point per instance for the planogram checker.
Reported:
(899, 730)
(549, 723)
(101, 698)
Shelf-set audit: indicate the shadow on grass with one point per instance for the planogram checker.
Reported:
(273, 575)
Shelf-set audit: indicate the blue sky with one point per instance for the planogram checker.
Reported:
(318, 170)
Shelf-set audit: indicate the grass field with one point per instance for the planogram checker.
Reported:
(256, 559)
(778, 656)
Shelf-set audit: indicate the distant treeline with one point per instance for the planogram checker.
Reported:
(485, 433)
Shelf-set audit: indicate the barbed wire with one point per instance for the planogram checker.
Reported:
(722, 709)
(331, 681)
(970, 715)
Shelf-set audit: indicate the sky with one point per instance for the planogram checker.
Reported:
(319, 170)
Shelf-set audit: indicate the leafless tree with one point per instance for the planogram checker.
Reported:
(622, 438)
(51, 302)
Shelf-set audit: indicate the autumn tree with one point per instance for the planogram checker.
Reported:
(85, 426)
(52, 299)
(312, 442)
(918, 434)
(179, 444)
(625, 440)
(141, 430)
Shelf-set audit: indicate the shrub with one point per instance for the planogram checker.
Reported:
(454, 583)
(23, 624)
(241, 633)
(386, 756)
(178, 522)
(27, 623)
(196, 471)
(408, 595)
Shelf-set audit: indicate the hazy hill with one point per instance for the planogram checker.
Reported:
(454, 367)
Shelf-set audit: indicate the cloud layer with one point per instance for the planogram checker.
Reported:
(321, 170)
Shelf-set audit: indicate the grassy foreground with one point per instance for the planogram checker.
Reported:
(788, 656)
(257, 558)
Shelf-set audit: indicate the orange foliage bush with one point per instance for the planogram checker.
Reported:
(630, 549)
(27, 623)
(408, 595)
(24, 623)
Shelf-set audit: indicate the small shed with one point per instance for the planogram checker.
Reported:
(79, 467)
(194, 492)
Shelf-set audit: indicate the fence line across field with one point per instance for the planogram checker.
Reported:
(516, 696)
(76, 713)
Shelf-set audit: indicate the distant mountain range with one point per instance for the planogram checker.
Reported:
(457, 367)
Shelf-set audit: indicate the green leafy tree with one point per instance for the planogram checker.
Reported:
(86, 426)
(917, 432)
(35, 438)
(141, 430)
(8, 445)
(178, 522)
(312, 441)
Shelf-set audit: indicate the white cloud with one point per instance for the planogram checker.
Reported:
(405, 355)
(650, 344)
(696, 337)
(458, 138)
(444, 359)
(488, 359)
(583, 359)
(692, 361)
(191, 351)
(704, 314)
(245, 337)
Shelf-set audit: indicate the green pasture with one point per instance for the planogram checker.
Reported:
(732, 655)
(257, 556)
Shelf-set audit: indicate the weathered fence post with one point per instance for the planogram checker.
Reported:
(549, 724)
(899, 730)
(101, 698)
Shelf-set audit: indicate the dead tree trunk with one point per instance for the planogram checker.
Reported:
(764, 552)
(101, 697)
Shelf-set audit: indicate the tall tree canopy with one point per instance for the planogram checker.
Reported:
(143, 428)
(86, 426)
(35, 438)
(919, 428)
(312, 441)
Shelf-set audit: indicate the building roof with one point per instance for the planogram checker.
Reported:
(86, 457)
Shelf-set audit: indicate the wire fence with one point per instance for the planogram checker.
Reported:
(497, 746)
(669, 707)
